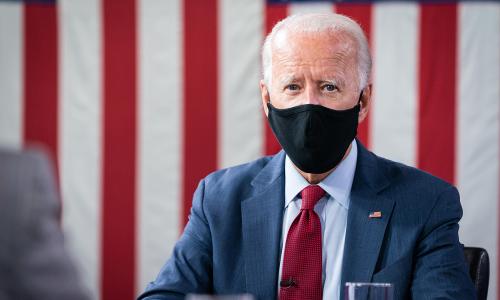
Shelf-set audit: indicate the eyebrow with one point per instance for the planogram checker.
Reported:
(336, 81)
(286, 79)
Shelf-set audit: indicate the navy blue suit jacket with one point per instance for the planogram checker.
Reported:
(231, 243)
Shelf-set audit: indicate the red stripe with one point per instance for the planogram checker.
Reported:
(436, 130)
(41, 77)
(200, 95)
(119, 150)
(362, 13)
(274, 13)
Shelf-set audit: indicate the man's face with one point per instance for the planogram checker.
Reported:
(318, 69)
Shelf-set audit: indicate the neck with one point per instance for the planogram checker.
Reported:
(317, 178)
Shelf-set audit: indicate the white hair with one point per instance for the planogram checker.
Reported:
(319, 23)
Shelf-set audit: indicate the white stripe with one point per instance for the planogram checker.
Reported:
(394, 105)
(240, 121)
(309, 7)
(80, 133)
(478, 128)
(159, 134)
(11, 56)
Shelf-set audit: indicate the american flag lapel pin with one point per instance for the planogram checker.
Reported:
(375, 214)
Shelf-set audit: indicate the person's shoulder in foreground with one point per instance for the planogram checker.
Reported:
(414, 244)
(33, 261)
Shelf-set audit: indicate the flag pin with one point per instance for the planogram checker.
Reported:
(375, 214)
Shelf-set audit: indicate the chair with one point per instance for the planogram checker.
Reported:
(479, 269)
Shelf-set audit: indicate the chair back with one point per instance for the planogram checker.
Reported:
(479, 269)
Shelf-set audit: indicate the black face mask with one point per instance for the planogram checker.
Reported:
(313, 136)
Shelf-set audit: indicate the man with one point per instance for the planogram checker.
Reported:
(302, 223)
(33, 261)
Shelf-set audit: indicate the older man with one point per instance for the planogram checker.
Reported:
(324, 211)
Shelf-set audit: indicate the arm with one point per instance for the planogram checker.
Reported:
(42, 268)
(189, 270)
(440, 267)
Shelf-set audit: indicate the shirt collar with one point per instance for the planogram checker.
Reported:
(338, 184)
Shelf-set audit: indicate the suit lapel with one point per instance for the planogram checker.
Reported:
(364, 235)
(262, 217)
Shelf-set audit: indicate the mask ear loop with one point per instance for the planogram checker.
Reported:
(359, 100)
(360, 97)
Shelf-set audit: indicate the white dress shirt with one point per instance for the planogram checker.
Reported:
(332, 211)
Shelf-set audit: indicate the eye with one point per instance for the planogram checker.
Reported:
(329, 87)
(292, 87)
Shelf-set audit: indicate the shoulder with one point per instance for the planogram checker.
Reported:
(222, 192)
(383, 173)
(411, 177)
(17, 161)
(417, 192)
(26, 181)
(409, 186)
(236, 177)
(20, 166)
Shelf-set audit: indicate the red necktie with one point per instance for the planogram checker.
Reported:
(302, 265)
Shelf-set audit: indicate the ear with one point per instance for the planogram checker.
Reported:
(264, 94)
(366, 98)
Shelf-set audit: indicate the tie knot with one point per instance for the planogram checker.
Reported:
(311, 195)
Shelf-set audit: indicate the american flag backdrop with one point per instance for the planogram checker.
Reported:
(137, 100)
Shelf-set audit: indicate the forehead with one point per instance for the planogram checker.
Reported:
(325, 49)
